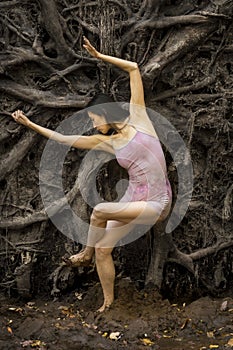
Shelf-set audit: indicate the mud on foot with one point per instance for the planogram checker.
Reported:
(80, 259)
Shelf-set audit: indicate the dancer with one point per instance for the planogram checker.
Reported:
(137, 148)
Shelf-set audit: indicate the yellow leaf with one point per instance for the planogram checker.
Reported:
(9, 330)
(105, 334)
(37, 343)
(213, 346)
(185, 323)
(210, 334)
(230, 342)
(147, 341)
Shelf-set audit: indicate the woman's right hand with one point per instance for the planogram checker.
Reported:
(92, 51)
(20, 118)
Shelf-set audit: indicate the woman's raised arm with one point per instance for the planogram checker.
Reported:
(136, 86)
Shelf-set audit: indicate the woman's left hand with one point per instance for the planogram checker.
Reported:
(92, 51)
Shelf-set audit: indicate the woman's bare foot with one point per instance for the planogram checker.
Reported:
(106, 306)
(83, 258)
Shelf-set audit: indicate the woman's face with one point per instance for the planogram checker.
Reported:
(99, 122)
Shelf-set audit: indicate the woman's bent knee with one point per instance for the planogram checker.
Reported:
(97, 215)
(102, 253)
(99, 210)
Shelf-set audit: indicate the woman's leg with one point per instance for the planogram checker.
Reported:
(109, 223)
(132, 213)
(104, 262)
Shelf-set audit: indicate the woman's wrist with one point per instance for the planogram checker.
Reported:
(29, 125)
(99, 55)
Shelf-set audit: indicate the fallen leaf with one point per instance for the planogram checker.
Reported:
(115, 335)
(213, 346)
(9, 330)
(185, 323)
(210, 334)
(224, 305)
(79, 296)
(230, 342)
(18, 309)
(26, 343)
(147, 341)
(37, 343)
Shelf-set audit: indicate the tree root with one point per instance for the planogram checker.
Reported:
(178, 44)
(13, 159)
(43, 98)
(185, 89)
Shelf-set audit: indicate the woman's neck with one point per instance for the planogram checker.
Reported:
(120, 126)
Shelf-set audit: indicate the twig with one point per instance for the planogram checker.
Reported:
(90, 27)
(15, 30)
(202, 253)
(22, 207)
(12, 3)
(30, 243)
(10, 243)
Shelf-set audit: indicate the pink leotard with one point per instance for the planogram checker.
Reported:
(144, 161)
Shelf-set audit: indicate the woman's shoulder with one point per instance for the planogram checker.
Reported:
(144, 127)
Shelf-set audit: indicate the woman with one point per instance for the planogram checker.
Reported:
(137, 148)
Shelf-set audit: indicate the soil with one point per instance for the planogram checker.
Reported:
(138, 319)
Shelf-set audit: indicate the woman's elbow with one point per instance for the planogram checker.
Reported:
(133, 67)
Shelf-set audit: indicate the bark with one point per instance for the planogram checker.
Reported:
(179, 44)
(41, 98)
(50, 20)
(13, 159)
(8, 4)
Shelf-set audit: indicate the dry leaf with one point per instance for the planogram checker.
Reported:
(210, 334)
(147, 341)
(230, 342)
(26, 343)
(9, 330)
(224, 305)
(37, 343)
(115, 335)
(185, 323)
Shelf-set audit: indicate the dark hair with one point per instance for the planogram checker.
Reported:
(104, 105)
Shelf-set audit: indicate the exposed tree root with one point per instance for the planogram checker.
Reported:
(42, 98)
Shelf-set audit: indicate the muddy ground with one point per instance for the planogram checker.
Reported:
(138, 319)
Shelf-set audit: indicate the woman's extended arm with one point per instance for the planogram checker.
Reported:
(136, 86)
(99, 142)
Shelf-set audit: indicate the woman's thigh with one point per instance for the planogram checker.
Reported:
(129, 212)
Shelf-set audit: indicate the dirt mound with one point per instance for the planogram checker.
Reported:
(136, 320)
